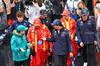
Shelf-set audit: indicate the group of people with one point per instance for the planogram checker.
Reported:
(51, 33)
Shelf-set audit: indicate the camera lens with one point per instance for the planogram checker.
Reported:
(80, 8)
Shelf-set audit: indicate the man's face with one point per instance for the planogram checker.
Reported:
(37, 26)
(20, 19)
(66, 17)
(85, 17)
(22, 32)
(57, 27)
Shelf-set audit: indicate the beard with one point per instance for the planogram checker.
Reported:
(37, 27)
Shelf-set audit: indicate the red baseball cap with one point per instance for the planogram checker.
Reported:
(37, 21)
(66, 12)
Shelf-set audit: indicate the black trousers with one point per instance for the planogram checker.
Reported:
(89, 54)
(60, 60)
(24, 63)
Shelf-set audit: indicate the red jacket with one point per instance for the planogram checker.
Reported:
(39, 43)
(72, 26)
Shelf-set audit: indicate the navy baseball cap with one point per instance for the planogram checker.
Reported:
(43, 12)
(84, 12)
(56, 22)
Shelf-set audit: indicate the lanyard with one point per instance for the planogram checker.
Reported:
(35, 36)
(67, 23)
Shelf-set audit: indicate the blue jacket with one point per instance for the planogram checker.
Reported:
(74, 16)
(18, 41)
(15, 24)
(62, 42)
(86, 30)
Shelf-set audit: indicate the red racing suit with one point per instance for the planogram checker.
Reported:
(41, 46)
(70, 24)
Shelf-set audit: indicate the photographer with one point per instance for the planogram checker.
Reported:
(33, 11)
(80, 6)
(45, 19)
(56, 7)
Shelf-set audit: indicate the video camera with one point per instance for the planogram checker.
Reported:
(49, 8)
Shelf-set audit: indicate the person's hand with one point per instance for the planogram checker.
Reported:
(22, 50)
(29, 45)
(50, 49)
(81, 44)
(48, 54)
(61, 2)
(72, 36)
(71, 54)
(79, 11)
(45, 1)
(16, 2)
(6, 31)
(26, 10)
(95, 42)
(43, 38)
(34, 4)
(33, 43)
(97, 29)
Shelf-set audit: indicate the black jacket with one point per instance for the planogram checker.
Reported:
(57, 6)
(47, 21)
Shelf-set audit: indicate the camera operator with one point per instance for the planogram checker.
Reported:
(45, 19)
(33, 11)
(56, 8)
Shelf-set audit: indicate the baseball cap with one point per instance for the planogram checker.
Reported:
(21, 28)
(43, 12)
(66, 12)
(56, 22)
(84, 12)
(37, 21)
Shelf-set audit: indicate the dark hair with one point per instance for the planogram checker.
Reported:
(19, 14)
